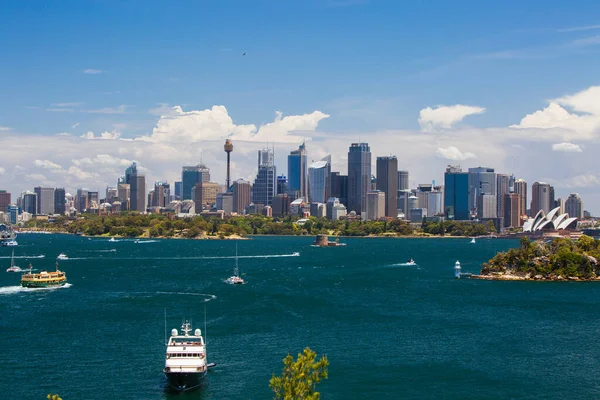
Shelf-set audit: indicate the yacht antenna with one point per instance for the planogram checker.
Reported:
(205, 336)
(237, 272)
(165, 326)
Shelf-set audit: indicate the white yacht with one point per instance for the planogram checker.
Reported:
(13, 267)
(62, 256)
(185, 363)
(11, 242)
(235, 279)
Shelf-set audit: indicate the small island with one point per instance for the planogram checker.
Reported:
(560, 259)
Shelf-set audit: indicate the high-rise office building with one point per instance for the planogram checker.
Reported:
(359, 176)
(387, 182)
(205, 195)
(93, 199)
(339, 187)
(486, 206)
(503, 186)
(178, 190)
(540, 198)
(137, 184)
(281, 205)
(241, 190)
(318, 180)
(45, 200)
(435, 203)
(29, 202)
(403, 180)
(160, 195)
(265, 184)
(574, 206)
(512, 210)
(4, 201)
(520, 188)
(60, 199)
(81, 200)
(191, 176)
(456, 193)
(375, 205)
(124, 193)
(482, 180)
(132, 169)
(282, 184)
(297, 172)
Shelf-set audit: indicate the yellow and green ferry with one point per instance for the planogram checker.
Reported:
(43, 279)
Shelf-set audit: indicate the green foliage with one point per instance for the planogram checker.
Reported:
(299, 378)
(561, 257)
(53, 397)
(458, 228)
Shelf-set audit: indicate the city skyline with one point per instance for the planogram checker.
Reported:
(518, 96)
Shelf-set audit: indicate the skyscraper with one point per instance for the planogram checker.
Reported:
(540, 197)
(191, 176)
(403, 180)
(297, 172)
(45, 200)
(265, 184)
(387, 182)
(574, 206)
(4, 201)
(339, 187)
(503, 186)
(178, 190)
(161, 195)
(241, 190)
(205, 195)
(375, 205)
(29, 202)
(81, 200)
(318, 180)
(359, 176)
(456, 193)
(512, 209)
(482, 180)
(59, 201)
(137, 184)
(520, 188)
(124, 193)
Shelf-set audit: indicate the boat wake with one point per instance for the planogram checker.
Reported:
(258, 256)
(405, 264)
(40, 256)
(7, 290)
(145, 241)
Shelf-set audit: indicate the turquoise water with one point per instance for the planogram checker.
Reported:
(389, 331)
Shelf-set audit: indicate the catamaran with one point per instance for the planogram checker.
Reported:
(235, 279)
(13, 267)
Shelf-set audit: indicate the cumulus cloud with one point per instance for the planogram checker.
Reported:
(113, 135)
(75, 125)
(574, 116)
(452, 153)
(567, 147)
(46, 164)
(102, 160)
(4, 129)
(216, 123)
(444, 117)
(92, 71)
(35, 177)
(2, 171)
(587, 180)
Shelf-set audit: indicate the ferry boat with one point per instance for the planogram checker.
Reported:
(185, 363)
(43, 279)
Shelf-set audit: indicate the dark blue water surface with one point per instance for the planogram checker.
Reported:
(389, 331)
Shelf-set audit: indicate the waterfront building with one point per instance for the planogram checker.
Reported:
(241, 190)
(4, 201)
(359, 176)
(265, 184)
(317, 209)
(137, 184)
(60, 199)
(281, 205)
(318, 180)
(297, 171)
(205, 195)
(375, 205)
(339, 211)
(482, 181)
(503, 187)
(512, 210)
(29, 202)
(339, 187)
(417, 214)
(520, 188)
(456, 193)
(387, 182)
(403, 180)
(13, 212)
(45, 200)
(191, 176)
(574, 206)
(540, 197)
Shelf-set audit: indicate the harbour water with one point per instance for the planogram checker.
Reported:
(390, 331)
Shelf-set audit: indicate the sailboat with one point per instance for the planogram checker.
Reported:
(235, 278)
(472, 241)
(13, 267)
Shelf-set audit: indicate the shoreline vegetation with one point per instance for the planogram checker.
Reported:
(135, 225)
(560, 259)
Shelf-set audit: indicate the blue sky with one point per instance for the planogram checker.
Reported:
(371, 66)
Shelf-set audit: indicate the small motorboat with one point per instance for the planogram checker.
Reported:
(62, 256)
(410, 261)
(472, 241)
(295, 254)
(10, 243)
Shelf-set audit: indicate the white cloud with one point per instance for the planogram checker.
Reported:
(63, 134)
(444, 117)
(587, 180)
(122, 109)
(113, 135)
(452, 153)
(567, 147)
(47, 164)
(216, 123)
(60, 110)
(35, 177)
(92, 71)
(4, 129)
(75, 125)
(2, 171)
(71, 104)
(102, 160)
(82, 175)
(162, 109)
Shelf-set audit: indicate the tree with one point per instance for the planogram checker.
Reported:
(53, 397)
(299, 378)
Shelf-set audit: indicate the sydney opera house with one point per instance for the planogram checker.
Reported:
(550, 222)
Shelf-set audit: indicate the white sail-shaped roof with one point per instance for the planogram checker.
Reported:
(552, 213)
(567, 222)
(528, 225)
(559, 219)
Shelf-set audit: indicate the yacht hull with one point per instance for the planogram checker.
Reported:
(184, 381)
